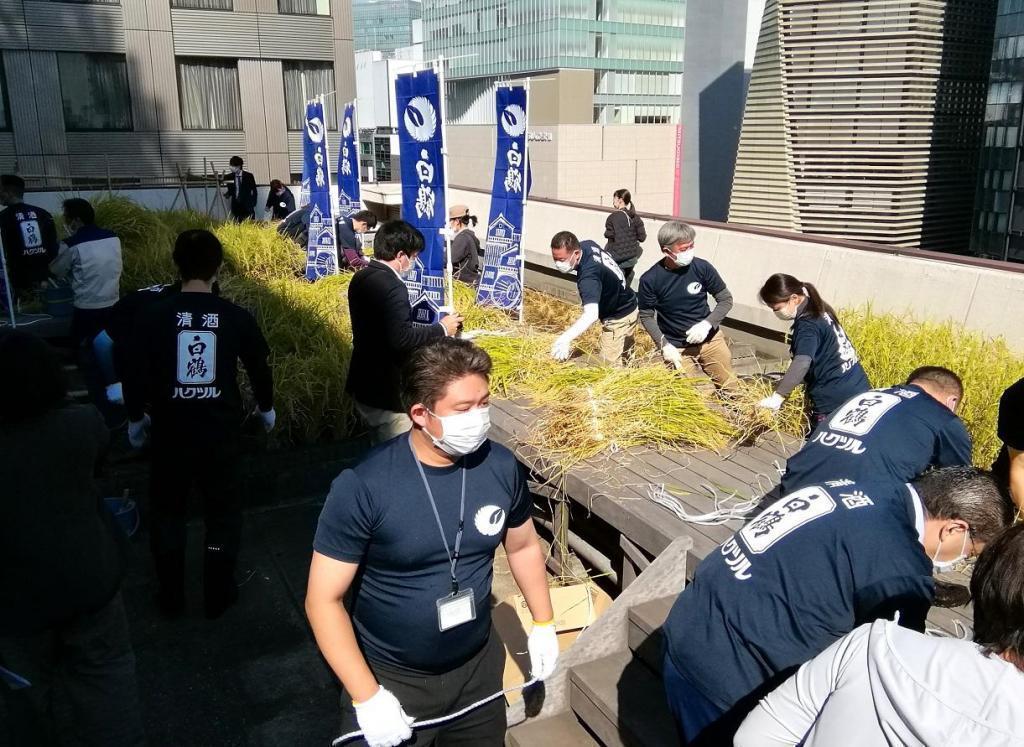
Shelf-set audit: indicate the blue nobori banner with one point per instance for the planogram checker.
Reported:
(348, 166)
(321, 247)
(501, 283)
(421, 140)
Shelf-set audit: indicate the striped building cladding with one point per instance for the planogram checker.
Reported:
(863, 120)
(138, 47)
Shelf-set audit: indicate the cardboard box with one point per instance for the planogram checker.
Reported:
(576, 607)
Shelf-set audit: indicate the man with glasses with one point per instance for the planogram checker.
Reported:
(809, 569)
(675, 312)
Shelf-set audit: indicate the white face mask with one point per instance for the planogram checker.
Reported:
(684, 258)
(786, 313)
(947, 565)
(565, 265)
(236, 169)
(464, 432)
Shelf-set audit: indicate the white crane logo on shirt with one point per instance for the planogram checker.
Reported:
(694, 288)
(489, 520)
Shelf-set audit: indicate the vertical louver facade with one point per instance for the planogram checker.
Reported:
(863, 120)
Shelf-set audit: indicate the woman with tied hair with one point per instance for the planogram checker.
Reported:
(625, 231)
(63, 625)
(883, 684)
(823, 356)
(465, 244)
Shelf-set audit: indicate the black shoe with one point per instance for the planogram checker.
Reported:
(948, 594)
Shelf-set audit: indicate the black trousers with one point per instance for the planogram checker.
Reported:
(179, 466)
(90, 660)
(426, 696)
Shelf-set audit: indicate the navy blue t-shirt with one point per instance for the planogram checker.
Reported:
(835, 374)
(898, 432)
(680, 297)
(378, 515)
(599, 280)
(806, 571)
(1010, 429)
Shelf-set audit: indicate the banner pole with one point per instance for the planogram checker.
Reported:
(526, 189)
(449, 282)
(6, 279)
(327, 168)
(356, 143)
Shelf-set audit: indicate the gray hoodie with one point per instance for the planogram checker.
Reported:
(886, 685)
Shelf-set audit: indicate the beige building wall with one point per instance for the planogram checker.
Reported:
(581, 163)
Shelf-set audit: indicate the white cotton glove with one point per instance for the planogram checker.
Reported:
(672, 355)
(562, 348)
(772, 403)
(382, 720)
(698, 332)
(542, 643)
(115, 395)
(138, 432)
(269, 419)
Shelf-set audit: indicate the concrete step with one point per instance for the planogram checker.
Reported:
(622, 702)
(645, 640)
(562, 730)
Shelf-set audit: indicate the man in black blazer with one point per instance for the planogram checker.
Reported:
(383, 333)
(241, 190)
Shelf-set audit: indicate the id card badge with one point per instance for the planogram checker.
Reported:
(455, 610)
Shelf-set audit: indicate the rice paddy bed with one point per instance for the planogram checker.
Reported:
(582, 409)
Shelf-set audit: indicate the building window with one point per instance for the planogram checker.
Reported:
(311, 79)
(209, 95)
(5, 109)
(94, 89)
(91, 2)
(305, 7)
(203, 4)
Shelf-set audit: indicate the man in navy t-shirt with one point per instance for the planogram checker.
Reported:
(675, 312)
(605, 296)
(807, 570)
(1009, 465)
(412, 532)
(898, 432)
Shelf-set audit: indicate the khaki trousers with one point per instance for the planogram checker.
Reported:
(617, 338)
(384, 424)
(714, 359)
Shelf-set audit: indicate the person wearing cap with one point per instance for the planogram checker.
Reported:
(29, 236)
(604, 294)
(674, 308)
(465, 245)
(350, 246)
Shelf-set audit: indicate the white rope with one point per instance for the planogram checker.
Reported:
(442, 719)
(727, 507)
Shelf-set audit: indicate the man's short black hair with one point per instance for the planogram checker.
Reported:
(946, 380)
(198, 254)
(32, 379)
(236, 161)
(13, 184)
(80, 209)
(565, 240)
(396, 236)
(366, 217)
(969, 494)
(997, 589)
(427, 373)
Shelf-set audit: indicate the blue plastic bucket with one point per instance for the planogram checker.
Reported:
(126, 512)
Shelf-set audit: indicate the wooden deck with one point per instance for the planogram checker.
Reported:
(614, 487)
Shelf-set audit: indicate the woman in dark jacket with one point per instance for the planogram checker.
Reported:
(63, 625)
(280, 201)
(465, 245)
(625, 231)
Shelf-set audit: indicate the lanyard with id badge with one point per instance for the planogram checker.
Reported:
(458, 607)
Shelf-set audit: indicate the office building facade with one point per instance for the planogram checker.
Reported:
(138, 89)
(862, 120)
(998, 230)
(384, 25)
(631, 50)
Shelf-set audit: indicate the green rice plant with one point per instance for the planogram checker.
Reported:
(146, 241)
(890, 346)
(255, 250)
